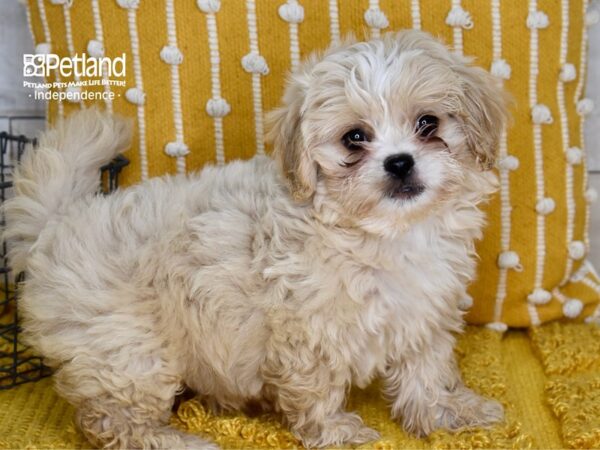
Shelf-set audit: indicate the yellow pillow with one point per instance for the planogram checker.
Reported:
(200, 75)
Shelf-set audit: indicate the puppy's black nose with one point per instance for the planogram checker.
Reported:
(399, 165)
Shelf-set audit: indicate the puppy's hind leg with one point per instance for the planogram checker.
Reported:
(121, 412)
(109, 426)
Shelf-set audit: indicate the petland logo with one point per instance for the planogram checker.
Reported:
(43, 65)
(82, 70)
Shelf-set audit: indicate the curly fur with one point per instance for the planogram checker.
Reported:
(282, 282)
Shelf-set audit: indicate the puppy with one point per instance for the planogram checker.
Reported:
(281, 281)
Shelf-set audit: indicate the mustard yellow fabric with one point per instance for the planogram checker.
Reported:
(571, 359)
(238, 129)
(548, 382)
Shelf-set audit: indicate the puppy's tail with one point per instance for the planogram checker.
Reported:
(63, 168)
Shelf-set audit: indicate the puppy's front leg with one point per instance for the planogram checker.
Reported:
(426, 392)
(309, 389)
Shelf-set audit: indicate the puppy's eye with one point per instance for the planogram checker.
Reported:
(427, 126)
(355, 139)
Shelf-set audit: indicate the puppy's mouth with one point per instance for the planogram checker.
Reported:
(405, 190)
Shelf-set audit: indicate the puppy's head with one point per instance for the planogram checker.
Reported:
(390, 128)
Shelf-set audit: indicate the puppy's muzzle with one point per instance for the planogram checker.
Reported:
(401, 169)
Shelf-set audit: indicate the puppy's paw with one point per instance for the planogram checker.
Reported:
(461, 408)
(464, 408)
(341, 429)
(191, 442)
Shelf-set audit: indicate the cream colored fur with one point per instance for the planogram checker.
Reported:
(279, 282)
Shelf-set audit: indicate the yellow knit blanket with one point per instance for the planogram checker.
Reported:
(547, 379)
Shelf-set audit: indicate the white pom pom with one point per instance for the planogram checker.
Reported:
(375, 18)
(135, 96)
(501, 69)
(73, 94)
(209, 6)
(291, 12)
(568, 72)
(43, 48)
(539, 296)
(574, 156)
(576, 249)
(585, 106)
(217, 107)
(591, 195)
(500, 327)
(458, 17)
(572, 308)
(537, 19)
(176, 149)
(129, 4)
(465, 302)
(545, 206)
(592, 17)
(255, 63)
(95, 48)
(541, 114)
(171, 55)
(509, 163)
(509, 260)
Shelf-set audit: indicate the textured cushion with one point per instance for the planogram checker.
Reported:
(514, 370)
(235, 57)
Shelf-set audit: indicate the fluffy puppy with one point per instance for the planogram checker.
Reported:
(281, 281)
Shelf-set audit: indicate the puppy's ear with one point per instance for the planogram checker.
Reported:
(483, 103)
(484, 111)
(284, 126)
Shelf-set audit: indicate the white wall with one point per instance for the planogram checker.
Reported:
(15, 39)
(20, 114)
(592, 136)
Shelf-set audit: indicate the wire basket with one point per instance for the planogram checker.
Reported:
(18, 363)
